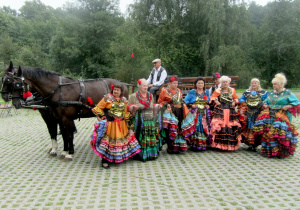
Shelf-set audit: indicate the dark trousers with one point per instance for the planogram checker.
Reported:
(153, 90)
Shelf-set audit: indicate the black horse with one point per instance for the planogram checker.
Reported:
(66, 98)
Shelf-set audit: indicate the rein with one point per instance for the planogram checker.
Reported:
(44, 101)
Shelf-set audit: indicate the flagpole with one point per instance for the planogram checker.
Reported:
(132, 56)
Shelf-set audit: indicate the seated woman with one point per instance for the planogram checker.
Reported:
(225, 127)
(274, 124)
(178, 122)
(249, 107)
(112, 141)
(141, 104)
(197, 101)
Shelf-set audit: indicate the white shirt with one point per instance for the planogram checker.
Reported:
(210, 89)
(163, 76)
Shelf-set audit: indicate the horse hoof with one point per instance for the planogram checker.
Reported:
(68, 157)
(49, 150)
(53, 152)
(63, 154)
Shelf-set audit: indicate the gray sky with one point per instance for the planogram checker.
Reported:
(17, 4)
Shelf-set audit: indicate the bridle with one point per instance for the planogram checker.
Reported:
(13, 83)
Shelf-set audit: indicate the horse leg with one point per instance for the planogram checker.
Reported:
(68, 135)
(63, 133)
(51, 123)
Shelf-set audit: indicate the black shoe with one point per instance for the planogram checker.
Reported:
(105, 165)
(59, 133)
(169, 152)
(194, 149)
(137, 157)
(249, 148)
(172, 152)
(254, 149)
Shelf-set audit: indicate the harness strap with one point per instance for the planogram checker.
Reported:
(82, 95)
(106, 86)
(59, 85)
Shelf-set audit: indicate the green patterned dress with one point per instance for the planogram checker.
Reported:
(145, 126)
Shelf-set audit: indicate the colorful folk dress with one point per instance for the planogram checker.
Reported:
(111, 138)
(225, 127)
(178, 122)
(274, 125)
(145, 126)
(201, 138)
(249, 108)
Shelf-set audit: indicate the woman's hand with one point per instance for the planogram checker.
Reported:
(217, 103)
(169, 106)
(194, 106)
(265, 106)
(135, 107)
(233, 104)
(131, 132)
(287, 107)
(99, 118)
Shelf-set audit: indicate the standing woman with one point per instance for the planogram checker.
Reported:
(141, 104)
(225, 127)
(197, 101)
(278, 135)
(112, 141)
(249, 107)
(178, 122)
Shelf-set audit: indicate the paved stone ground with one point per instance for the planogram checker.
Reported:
(32, 179)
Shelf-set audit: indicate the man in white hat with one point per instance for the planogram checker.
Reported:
(156, 77)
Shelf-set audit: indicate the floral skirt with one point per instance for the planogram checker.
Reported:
(177, 139)
(113, 149)
(225, 129)
(278, 135)
(148, 140)
(247, 121)
(200, 139)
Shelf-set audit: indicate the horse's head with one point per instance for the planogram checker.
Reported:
(18, 88)
(7, 81)
(13, 85)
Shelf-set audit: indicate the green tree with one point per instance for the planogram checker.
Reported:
(8, 48)
(278, 45)
(83, 38)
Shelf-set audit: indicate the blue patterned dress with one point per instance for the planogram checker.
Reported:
(274, 125)
(249, 108)
(200, 138)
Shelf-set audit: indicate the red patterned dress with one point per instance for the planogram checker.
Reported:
(177, 121)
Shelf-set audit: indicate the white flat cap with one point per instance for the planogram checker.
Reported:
(157, 60)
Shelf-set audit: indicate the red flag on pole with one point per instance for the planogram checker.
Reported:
(132, 55)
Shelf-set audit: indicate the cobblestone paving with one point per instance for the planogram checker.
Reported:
(32, 179)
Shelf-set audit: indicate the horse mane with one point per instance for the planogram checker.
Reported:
(38, 73)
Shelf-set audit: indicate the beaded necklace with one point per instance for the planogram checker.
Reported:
(224, 97)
